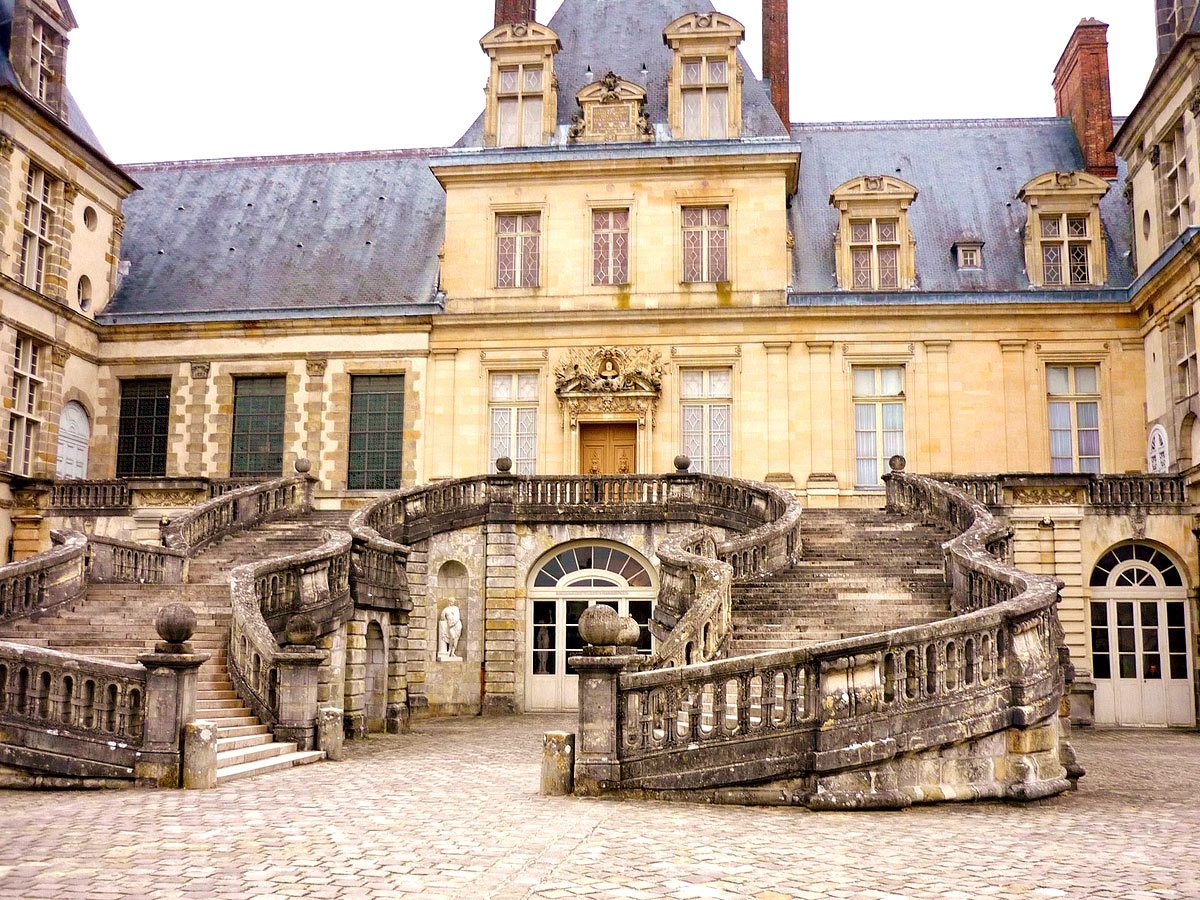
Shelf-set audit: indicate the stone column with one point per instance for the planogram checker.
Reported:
(397, 679)
(821, 486)
(1016, 419)
(356, 677)
(500, 597)
(779, 418)
(940, 456)
(196, 414)
(297, 665)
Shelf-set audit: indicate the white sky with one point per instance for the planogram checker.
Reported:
(212, 78)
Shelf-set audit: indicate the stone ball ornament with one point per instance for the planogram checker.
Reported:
(303, 466)
(630, 632)
(897, 463)
(504, 465)
(175, 623)
(601, 626)
(301, 630)
(683, 463)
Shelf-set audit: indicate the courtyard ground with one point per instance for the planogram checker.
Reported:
(452, 810)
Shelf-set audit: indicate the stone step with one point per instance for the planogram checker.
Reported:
(228, 731)
(236, 743)
(272, 764)
(211, 694)
(227, 704)
(234, 718)
(228, 758)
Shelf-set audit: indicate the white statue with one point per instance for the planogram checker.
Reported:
(449, 632)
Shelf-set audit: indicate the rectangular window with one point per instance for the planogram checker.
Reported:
(705, 96)
(41, 54)
(707, 406)
(35, 229)
(518, 246)
(1185, 356)
(520, 106)
(1176, 188)
(610, 246)
(875, 254)
(1066, 250)
(258, 415)
(513, 398)
(1074, 398)
(705, 243)
(24, 424)
(376, 432)
(143, 428)
(878, 421)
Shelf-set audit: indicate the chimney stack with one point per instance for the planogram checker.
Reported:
(1082, 91)
(510, 12)
(775, 57)
(1164, 27)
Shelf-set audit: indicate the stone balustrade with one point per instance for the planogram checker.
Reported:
(238, 510)
(48, 580)
(1101, 491)
(105, 497)
(112, 561)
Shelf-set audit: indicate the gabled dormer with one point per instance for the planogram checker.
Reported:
(37, 50)
(611, 109)
(705, 84)
(522, 92)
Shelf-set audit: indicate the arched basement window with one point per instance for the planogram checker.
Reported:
(594, 559)
(1135, 565)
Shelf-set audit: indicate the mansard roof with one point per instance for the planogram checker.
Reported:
(968, 173)
(277, 237)
(622, 37)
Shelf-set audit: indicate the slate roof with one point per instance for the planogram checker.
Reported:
(967, 172)
(622, 36)
(339, 234)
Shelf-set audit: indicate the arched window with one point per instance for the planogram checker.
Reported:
(623, 570)
(1135, 565)
(74, 435)
(1157, 459)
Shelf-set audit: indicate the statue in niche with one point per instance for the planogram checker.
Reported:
(449, 633)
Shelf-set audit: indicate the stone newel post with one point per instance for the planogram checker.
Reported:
(172, 671)
(297, 666)
(611, 639)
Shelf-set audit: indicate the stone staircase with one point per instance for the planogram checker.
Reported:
(863, 571)
(117, 622)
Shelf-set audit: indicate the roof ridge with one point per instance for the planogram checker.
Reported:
(1002, 122)
(232, 162)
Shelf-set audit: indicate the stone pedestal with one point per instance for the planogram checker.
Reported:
(200, 755)
(170, 704)
(558, 764)
(331, 737)
(597, 766)
(297, 667)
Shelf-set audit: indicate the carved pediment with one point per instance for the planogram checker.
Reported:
(612, 109)
(883, 187)
(609, 370)
(522, 34)
(1082, 183)
(713, 24)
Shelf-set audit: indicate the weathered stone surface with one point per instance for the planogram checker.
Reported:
(200, 755)
(558, 763)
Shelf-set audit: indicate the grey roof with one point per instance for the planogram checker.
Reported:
(967, 173)
(472, 156)
(263, 238)
(622, 36)
(79, 124)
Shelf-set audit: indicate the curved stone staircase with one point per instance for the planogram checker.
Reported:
(116, 622)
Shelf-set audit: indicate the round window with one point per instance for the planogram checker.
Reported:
(83, 292)
(89, 218)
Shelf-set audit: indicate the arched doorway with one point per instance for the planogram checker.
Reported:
(74, 435)
(562, 585)
(375, 679)
(1141, 638)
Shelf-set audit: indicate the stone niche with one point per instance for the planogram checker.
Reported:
(452, 674)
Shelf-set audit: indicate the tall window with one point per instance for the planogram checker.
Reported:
(610, 246)
(518, 250)
(23, 422)
(513, 398)
(1158, 460)
(520, 106)
(1186, 373)
(1074, 418)
(258, 413)
(1066, 244)
(705, 243)
(707, 396)
(143, 428)
(875, 254)
(35, 229)
(878, 420)
(376, 432)
(1176, 188)
(41, 55)
(705, 91)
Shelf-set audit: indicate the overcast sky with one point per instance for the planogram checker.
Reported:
(184, 80)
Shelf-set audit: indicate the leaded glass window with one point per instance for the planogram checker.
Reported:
(875, 254)
(705, 243)
(520, 106)
(518, 258)
(513, 411)
(706, 419)
(1176, 184)
(610, 246)
(376, 432)
(259, 405)
(143, 428)
(1074, 415)
(1066, 250)
(878, 421)
(36, 224)
(705, 97)
(1184, 338)
(24, 425)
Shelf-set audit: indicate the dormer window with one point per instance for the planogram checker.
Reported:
(41, 62)
(1175, 184)
(874, 246)
(1064, 237)
(520, 106)
(522, 92)
(968, 253)
(705, 86)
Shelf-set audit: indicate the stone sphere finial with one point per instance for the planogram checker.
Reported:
(175, 623)
(600, 626)
(301, 630)
(897, 463)
(630, 632)
(504, 465)
(303, 465)
(683, 463)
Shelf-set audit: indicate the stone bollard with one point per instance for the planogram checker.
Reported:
(331, 735)
(200, 755)
(558, 764)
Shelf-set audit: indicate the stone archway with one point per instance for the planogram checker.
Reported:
(375, 678)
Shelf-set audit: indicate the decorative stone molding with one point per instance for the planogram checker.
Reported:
(60, 355)
(1045, 496)
(644, 406)
(70, 192)
(609, 370)
(315, 367)
(168, 498)
(200, 371)
(1194, 101)
(1155, 155)
(7, 145)
(612, 109)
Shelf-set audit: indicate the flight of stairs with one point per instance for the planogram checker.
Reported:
(862, 571)
(116, 622)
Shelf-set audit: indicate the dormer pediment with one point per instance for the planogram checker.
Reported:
(716, 27)
(874, 187)
(611, 109)
(611, 89)
(1080, 184)
(531, 35)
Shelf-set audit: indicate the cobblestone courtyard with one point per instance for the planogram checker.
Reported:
(451, 810)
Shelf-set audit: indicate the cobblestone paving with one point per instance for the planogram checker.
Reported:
(451, 810)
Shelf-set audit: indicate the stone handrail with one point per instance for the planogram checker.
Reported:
(36, 585)
(112, 561)
(1137, 490)
(90, 495)
(238, 510)
(691, 572)
(1099, 490)
(379, 576)
(987, 489)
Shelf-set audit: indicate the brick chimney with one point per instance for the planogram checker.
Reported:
(775, 57)
(510, 12)
(1081, 91)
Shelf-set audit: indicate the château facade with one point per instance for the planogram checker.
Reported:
(632, 255)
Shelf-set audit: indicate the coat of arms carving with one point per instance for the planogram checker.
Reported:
(600, 370)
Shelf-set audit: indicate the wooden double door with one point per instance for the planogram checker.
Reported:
(608, 448)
